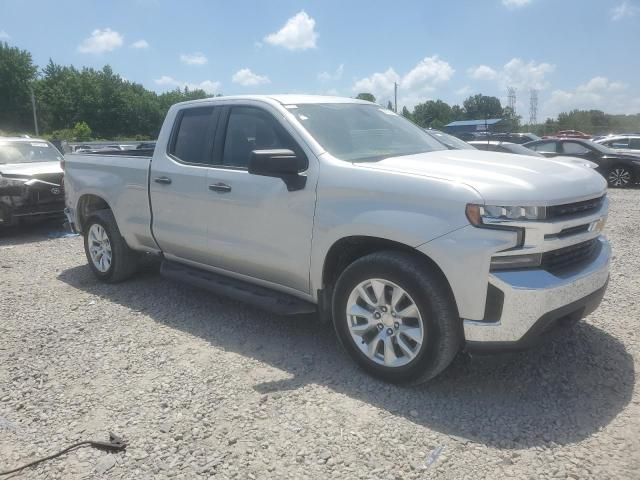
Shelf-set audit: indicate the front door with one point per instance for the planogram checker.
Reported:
(180, 198)
(256, 226)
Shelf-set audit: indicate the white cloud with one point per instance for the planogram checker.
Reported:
(247, 78)
(141, 44)
(598, 93)
(525, 76)
(625, 10)
(196, 58)
(208, 86)
(482, 72)
(297, 34)
(515, 3)
(328, 76)
(464, 91)
(422, 79)
(4, 35)
(101, 41)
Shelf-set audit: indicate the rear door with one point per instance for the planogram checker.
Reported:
(180, 198)
(258, 228)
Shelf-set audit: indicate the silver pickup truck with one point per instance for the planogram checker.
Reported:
(332, 205)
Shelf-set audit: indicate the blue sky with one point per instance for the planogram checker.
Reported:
(576, 53)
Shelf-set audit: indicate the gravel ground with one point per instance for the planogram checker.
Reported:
(202, 386)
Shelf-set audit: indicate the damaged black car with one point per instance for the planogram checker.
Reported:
(31, 180)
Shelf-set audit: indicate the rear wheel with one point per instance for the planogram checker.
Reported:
(619, 177)
(396, 317)
(109, 257)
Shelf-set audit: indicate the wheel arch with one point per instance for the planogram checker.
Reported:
(346, 250)
(87, 205)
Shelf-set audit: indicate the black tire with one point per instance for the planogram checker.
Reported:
(620, 176)
(124, 261)
(434, 299)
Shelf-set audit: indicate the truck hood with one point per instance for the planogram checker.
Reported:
(502, 178)
(30, 169)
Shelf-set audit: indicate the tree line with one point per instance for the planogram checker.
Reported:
(75, 104)
(79, 104)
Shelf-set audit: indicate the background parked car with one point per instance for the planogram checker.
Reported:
(30, 180)
(622, 143)
(620, 169)
(516, 149)
(515, 137)
(572, 134)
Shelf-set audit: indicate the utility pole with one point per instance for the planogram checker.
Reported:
(395, 97)
(33, 106)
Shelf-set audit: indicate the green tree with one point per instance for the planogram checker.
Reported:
(433, 113)
(406, 113)
(389, 105)
(17, 72)
(366, 96)
(479, 107)
(457, 113)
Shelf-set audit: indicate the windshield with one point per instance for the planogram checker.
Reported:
(450, 141)
(28, 152)
(363, 133)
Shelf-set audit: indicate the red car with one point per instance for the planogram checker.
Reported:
(572, 134)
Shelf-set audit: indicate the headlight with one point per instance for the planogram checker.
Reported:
(11, 182)
(480, 215)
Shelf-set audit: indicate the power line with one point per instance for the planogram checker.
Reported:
(511, 95)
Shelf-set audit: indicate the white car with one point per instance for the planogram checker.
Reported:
(623, 143)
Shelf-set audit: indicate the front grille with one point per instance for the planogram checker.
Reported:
(558, 260)
(55, 178)
(586, 206)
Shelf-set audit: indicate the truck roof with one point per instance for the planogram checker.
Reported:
(285, 99)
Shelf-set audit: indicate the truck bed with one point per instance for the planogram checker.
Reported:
(123, 181)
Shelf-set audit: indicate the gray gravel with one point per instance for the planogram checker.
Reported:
(202, 386)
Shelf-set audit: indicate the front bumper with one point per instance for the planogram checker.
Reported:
(10, 214)
(533, 300)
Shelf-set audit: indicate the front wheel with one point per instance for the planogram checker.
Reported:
(619, 177)
(109, 257)
(396, 317)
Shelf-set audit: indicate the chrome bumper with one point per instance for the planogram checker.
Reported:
(530, 294)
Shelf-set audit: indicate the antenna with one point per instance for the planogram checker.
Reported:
(511, 95)
(533, 107)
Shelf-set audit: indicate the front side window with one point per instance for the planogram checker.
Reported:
(618, 143)
(634, 143)
(28, 152)
(573, 148)
(193, 135)
(249, 129)
(545, 147)
(363, 133)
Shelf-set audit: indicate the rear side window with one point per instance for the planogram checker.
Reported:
(193, 135)
(634, 143)
(574, 148)
(546, 147)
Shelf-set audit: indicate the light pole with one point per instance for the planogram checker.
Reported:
(33, 106)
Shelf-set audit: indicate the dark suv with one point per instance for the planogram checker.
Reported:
(620, 169)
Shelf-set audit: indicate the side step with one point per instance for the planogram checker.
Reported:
(261, 297)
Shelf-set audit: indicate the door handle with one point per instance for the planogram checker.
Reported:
(162, 180)
(220, 187)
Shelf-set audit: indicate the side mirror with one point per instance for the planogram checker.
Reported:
(280, 163)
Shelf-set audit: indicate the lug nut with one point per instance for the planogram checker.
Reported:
(389, 331)
(380, 326)
(377, 315)
(396, 325)
(384, 309)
